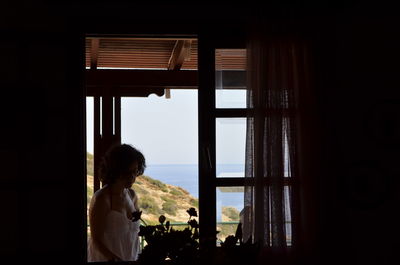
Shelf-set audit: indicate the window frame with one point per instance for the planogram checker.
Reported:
(110, 125)
(290, 182)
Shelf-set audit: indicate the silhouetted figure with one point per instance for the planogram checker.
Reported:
(114, 236)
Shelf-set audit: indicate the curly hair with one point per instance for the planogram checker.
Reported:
(117, 161)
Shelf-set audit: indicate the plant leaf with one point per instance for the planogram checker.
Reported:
(193, 223)
(192, 212)
(162, 219)
(136, 216)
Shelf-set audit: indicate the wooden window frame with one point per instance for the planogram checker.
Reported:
(105, 92)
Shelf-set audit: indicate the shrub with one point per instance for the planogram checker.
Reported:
(166, 199)
(225, 230)
(195, 203)
(175, 192)
(183, 190)
(170, 207)
(149, 205)
(231, 212)
(139, 189)
(89, 193)
(156, 183)
(89, 164)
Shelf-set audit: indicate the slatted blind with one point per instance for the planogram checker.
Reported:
(88, 51)
(155, 54)
(230, 59)
(191, 62)
(135, 53)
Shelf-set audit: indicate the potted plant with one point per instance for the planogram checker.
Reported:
(167, 246)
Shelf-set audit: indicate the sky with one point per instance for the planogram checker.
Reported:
(166, 130)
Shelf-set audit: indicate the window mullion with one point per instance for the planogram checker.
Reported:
(231, 113)
(206, 105)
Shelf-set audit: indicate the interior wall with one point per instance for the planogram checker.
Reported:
(42, 109)
(41, 182)
(360, 107)
(356, 56)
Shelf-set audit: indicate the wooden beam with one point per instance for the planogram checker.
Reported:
(141, 78)
(179, 54)
(125, 91)
(235, 182)
(130, 82)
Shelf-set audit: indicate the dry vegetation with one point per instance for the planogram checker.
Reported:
(156, 198)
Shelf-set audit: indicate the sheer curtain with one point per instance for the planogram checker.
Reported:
(277, 71)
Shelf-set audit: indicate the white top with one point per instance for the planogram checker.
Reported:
(120, 237)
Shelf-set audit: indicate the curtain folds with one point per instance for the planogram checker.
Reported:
(276, 74)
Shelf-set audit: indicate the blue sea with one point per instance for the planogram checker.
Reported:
(186, 176)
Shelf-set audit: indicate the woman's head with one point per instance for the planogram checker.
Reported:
(121, 162)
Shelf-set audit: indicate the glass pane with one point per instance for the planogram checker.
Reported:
(230, 147)
(230, 78)
(228, 98)
(165, 130)
(89, 152)
(230, 202)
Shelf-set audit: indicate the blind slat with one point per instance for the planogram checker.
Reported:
(132, 53)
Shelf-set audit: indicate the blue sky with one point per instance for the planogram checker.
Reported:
(166, 130)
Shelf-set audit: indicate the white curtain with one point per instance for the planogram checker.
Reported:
(277, 72)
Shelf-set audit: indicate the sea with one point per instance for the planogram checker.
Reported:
(186, 176)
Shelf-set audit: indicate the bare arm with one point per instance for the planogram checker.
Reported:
(97, 217)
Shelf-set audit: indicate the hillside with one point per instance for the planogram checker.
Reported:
(156, 198)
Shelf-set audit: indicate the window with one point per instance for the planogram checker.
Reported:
(230, 138)
(143, 91)
(129, 73)
(165, 130)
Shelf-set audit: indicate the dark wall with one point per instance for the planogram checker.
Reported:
(42, 147)
(360, 111)
(42, 152)
(42, 176)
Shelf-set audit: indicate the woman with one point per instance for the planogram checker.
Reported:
(114, 235)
